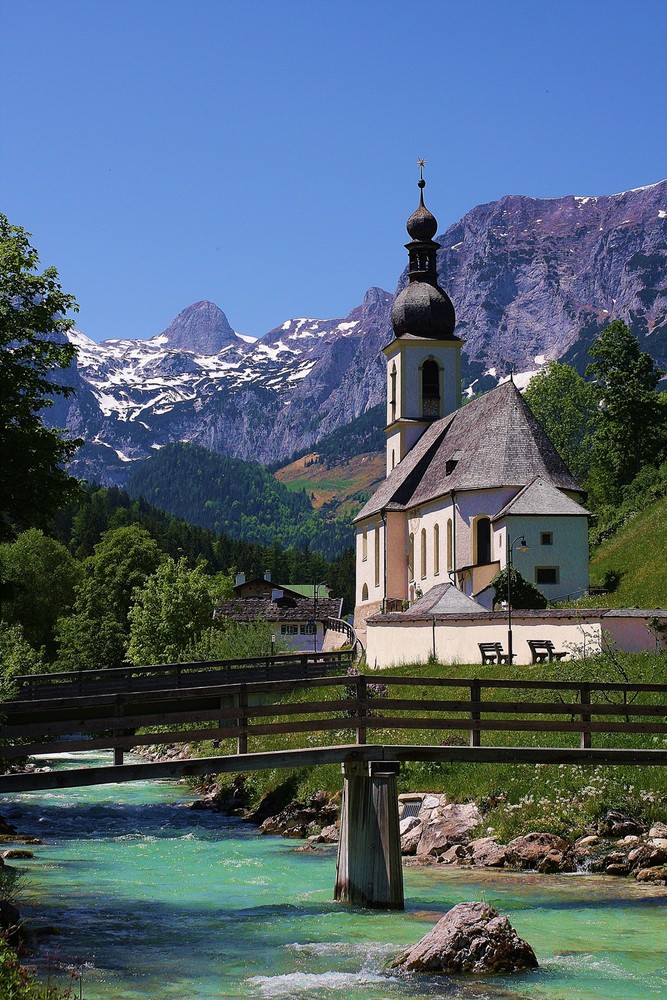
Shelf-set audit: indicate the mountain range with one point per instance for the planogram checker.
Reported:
(531, 280)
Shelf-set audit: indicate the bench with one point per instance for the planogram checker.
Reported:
(543, 650)
(492, 652)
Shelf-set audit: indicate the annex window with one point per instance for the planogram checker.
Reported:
(546, 537)
(377, 555)
(430, 389)
(411, 557)
(289, 629)
(308, 629)
(436, 549)
(364, 543)
(423, 552)
(364, 592)
(546, 574)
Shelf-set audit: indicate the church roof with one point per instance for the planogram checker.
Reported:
(541, 497)
(493, 441)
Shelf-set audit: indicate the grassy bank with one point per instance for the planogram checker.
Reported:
(514, 798)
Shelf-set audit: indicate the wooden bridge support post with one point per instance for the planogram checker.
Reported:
(368, 869)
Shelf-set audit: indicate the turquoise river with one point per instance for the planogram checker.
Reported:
(159, 902)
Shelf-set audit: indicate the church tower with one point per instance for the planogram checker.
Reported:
(424, 361)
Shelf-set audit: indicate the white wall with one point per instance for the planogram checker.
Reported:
(456, 640)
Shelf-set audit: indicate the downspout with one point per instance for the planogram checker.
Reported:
(384, 560)
(454, 537)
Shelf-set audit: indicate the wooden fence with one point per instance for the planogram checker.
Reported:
(451, 711)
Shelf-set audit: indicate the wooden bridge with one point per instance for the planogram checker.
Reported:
(245, 714)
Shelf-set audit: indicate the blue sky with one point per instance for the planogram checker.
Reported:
(262, 154)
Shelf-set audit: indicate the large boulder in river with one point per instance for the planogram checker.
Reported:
(471, 938)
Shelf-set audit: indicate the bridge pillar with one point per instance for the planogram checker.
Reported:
(368, 869)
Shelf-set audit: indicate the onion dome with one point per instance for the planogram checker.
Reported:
(422, 309)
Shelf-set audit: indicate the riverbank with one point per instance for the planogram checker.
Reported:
(435, 831)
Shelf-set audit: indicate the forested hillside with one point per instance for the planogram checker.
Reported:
(241, 499)
(81, 526)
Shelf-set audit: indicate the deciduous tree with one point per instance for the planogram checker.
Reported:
(33, 320)
(39, 577)
(97, 633)
(631, 430)
(170, 612)
(566, 406)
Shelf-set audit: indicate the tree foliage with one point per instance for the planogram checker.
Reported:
(39, 577)
(32, 347)
(170, 612)
(566, 406)
(96, 634)
(631, 429)
(523, 593)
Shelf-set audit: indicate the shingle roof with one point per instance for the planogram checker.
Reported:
(299, 609)
(494, 441)
(542, 497)
(445, 598)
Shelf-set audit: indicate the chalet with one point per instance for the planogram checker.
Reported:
(299, 614)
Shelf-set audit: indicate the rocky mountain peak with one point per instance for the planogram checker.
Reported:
(202, 328)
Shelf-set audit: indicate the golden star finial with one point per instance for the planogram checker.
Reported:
(421, 164)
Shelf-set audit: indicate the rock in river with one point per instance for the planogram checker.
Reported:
(472, 937)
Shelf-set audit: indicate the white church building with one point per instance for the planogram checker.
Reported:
(464, 484)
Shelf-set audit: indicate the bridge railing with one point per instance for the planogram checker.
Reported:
(440, 711)
(297, 666)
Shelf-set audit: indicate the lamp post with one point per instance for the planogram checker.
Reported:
(316, 587)
(523, 547)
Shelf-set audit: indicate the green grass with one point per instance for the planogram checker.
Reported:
(637, 551)
(514, 798)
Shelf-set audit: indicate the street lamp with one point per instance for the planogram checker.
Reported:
(523, 547)
(316, 587)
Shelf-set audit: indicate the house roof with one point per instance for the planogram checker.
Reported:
(296, 609)
(445, 598)
(542, 497)
(493, 441)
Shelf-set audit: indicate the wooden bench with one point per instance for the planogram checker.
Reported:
(492, 652)
(543, 650)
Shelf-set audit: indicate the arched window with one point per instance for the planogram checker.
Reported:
(377, 555)
(430, 389)
(450, 544)
(436, 549)
(364, 592)
(482, 541)
(411, 557)
(393, 458)
(423, 552)
(392, 392)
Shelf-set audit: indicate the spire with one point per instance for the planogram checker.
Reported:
(422, 225)
(423, 309)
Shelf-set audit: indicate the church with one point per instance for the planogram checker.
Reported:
(468, 487)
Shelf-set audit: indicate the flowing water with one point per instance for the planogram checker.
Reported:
(158, 902)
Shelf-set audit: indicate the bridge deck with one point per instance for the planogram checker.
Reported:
(235, 763)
